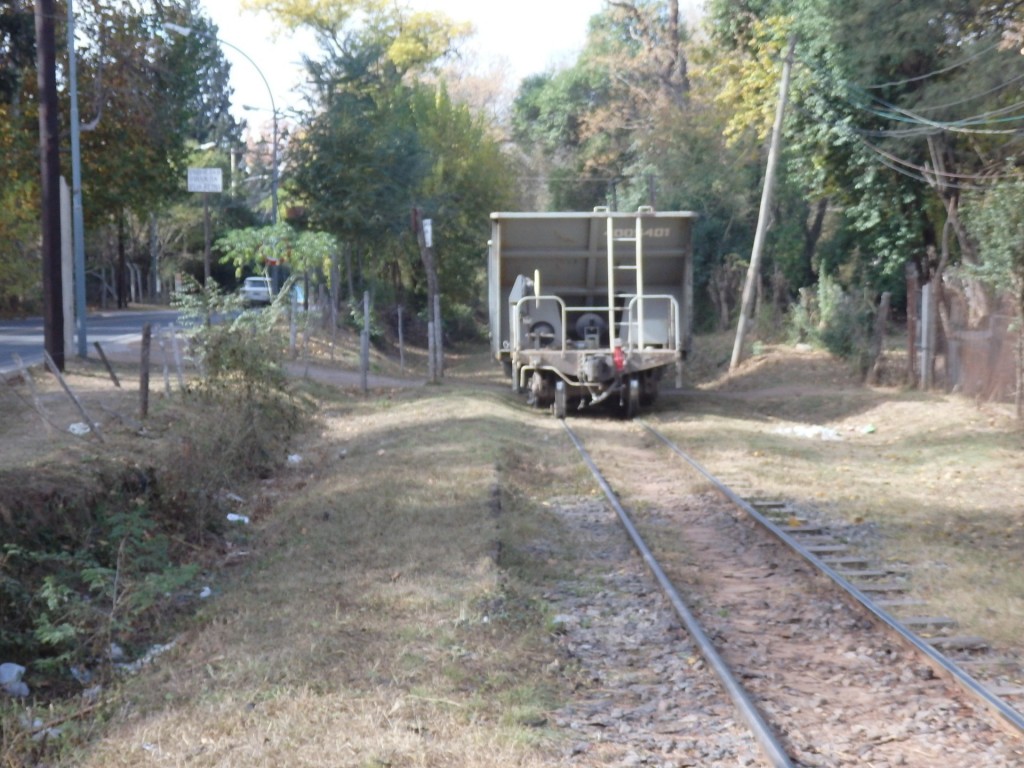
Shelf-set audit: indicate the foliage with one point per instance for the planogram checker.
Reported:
(145, 97)
(403, 41)
(148, 100)
(20, 267)
(384, 139)
(995, 218)
(110, 588)
(357, 164)
(236, 350)
(468, 177)
(834, 319)
(895, 110)
(17, 47)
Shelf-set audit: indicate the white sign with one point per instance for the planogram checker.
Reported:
(428, 233)
(205, 180)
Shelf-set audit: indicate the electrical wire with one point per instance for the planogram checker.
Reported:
(935, 73)
(919, 173)
(889, 111)
(924, 170)
(989, 92)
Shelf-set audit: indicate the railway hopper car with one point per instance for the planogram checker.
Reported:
(591, 307)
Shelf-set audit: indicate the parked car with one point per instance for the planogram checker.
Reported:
(256, 290)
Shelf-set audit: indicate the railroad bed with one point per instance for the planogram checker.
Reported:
(833, 684)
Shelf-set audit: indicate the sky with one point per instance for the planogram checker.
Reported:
(537, 35)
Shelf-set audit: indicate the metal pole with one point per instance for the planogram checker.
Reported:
(753, 271)
(273, 169)
(401, 341)
(147, 337)
(206, 238)
(273, 110)
(181, 30)
(77, 218)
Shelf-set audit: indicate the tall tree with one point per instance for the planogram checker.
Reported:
(19, 172)
(591, 119)
(384, 137)
(151, 95)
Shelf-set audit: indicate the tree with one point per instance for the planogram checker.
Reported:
(383, 137)
(897, 109)
(467, 177)
(19, 172)
(593, 119)
(152, 96)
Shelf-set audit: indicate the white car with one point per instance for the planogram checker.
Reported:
(256, 290)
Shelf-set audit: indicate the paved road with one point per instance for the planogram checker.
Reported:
(25, 337)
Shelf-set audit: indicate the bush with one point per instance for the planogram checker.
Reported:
(835, 320)
(236, 349)
(105, 552)
(108, 586)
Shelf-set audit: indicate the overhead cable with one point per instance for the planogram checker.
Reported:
(936, 73)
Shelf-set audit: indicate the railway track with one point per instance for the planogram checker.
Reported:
(817, 669)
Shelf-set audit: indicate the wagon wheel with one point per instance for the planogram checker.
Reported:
(632, 406)
(560, 399)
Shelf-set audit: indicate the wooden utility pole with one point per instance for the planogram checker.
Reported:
(754, 270)
(49, 167)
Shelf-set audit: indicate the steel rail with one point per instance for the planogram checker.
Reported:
(1010, 717)
(767, 739)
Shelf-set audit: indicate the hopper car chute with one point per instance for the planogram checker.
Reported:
(591, 307)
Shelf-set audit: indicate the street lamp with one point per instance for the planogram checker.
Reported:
(186, 31)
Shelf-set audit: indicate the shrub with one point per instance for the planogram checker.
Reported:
(835, 320)
(236, 349)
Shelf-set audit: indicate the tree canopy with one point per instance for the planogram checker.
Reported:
(900, 140)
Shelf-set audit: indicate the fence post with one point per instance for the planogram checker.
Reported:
(364, 339)
(147, 337)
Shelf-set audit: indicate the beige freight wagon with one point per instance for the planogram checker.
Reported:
(591, 307)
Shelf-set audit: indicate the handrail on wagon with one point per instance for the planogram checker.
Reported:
(631, 324)
(516, 323)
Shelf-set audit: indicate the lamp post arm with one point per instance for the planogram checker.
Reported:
(273, 149)
(186, 31)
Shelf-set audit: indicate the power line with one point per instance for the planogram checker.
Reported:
(899, 114)
(925, 170)
(966, 99)
(934, 73)
(907, 168)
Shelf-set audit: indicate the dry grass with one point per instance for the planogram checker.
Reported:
(391, 611)
(926, 479)
(376, 627)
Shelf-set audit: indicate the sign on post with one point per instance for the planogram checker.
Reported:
(205, 180)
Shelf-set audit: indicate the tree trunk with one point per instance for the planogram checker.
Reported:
(677, 74)
(878, 340)
(812, 234)
(348, 274)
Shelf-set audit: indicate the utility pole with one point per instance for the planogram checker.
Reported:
(754, 270)
(77, 220)
(49, 167)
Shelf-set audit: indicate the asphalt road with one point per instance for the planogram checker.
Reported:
(25, 337)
